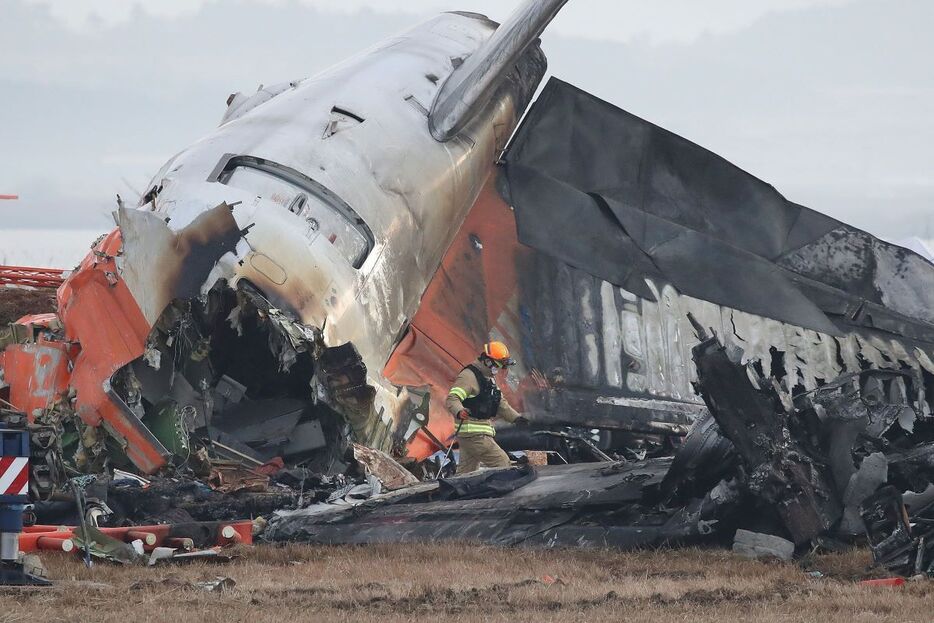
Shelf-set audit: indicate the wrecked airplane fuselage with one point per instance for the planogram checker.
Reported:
(288, 281)
(256, 293)
(607, 231)
(653, 227)
(141, 365)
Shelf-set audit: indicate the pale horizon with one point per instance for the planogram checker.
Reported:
(828, 100)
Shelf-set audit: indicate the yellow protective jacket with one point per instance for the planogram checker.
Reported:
(466, 386)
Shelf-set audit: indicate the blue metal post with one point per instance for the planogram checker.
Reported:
(14, 458)
(14, 495)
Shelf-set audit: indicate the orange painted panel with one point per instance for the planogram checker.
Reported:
(462, 308)
(99, 312)
(37, 374)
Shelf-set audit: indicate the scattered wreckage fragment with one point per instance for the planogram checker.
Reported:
(584, 505)
(901, 535)
(140, 544)
(757, 545)
(764, 464)
(832, 462)
(779, 470)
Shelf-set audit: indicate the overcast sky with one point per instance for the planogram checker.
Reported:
(832, 101)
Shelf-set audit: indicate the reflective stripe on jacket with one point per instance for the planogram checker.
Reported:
(473, 427)
(465, 386)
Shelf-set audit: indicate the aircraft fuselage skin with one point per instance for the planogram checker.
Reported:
(356, 139)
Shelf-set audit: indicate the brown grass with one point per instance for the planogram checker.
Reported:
(470, 583)
(17, 302)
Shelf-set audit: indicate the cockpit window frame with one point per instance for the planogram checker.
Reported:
(229, 162)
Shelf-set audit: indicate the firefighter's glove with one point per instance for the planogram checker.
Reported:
(521, 421)
(463, 414)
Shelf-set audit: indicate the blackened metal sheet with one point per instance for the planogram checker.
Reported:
(571, 225)
(160, 264)
(580, 218)
(712, 230)
(485, 484)
(589, 484)
(590, 354)
(578, 495)
(705, 458)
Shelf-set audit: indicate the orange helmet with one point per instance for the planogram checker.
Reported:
(498, 352)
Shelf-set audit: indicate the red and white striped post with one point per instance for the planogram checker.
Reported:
(14, 495)
(14, 488)
(14, 474)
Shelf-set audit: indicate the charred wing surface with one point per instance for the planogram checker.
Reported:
(587, 505)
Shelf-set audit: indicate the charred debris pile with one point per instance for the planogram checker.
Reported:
(231, 388)
(237, 376)
(851, 461)
(229, 385)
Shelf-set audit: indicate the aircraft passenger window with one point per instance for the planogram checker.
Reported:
(322, 210)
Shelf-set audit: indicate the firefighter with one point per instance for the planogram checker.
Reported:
(474, 401)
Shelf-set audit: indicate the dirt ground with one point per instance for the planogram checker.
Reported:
(468, 584)
(17, 302)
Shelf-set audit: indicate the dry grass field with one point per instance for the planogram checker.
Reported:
(471, 584)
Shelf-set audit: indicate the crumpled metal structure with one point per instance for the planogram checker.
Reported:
(817, 468)
(278, 297)
(144, 359)
(585, 505)
(831, 463)
(606, 232)
(623, 199)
